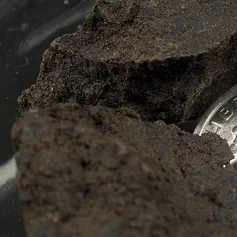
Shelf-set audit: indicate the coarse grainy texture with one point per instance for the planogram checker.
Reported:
(167, 61)
(100, 172)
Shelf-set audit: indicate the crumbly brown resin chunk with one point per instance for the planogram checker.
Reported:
(95, 171)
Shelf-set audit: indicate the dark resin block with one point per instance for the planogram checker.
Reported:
(100, 172)
(165, 59)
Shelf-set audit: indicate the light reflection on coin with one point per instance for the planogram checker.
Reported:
(221, 118)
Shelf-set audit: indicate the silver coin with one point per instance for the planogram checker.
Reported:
(221, 118)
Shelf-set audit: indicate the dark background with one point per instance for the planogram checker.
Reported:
(26, 29)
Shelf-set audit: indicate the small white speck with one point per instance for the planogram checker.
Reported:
(224, 166)
(66, 2)
(51, 88)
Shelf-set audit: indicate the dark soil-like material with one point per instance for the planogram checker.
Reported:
(100, 172)
(163, 59)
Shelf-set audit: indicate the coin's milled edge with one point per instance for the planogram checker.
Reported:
(205, 119)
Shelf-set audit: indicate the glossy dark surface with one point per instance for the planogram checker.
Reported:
(26, 29)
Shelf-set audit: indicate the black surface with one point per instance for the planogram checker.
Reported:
(26, 29)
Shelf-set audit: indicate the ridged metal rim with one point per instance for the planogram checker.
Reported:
(205, 119)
